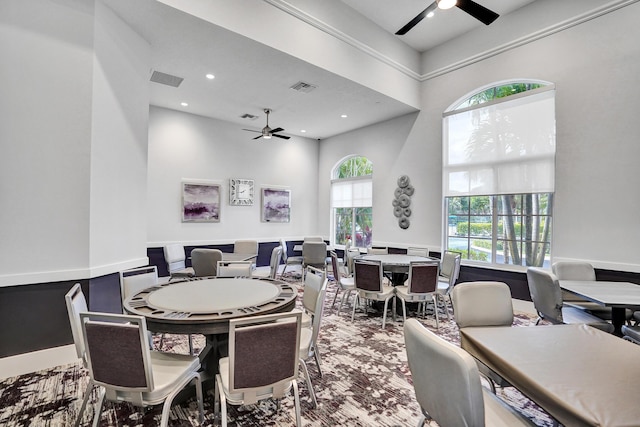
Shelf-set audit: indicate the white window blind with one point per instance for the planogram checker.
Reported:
(503, 147)
(351, 193)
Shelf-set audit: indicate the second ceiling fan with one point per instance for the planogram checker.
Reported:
(481, 13)
(266, 131)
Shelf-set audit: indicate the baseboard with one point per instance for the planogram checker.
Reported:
(37, 360)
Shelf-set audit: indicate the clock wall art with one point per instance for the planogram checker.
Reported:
(200, 202)
(241, 192)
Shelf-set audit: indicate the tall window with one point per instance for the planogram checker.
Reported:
(351, 202)
(498, 174)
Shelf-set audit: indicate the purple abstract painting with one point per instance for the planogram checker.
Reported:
(276, 205)
(200, 202)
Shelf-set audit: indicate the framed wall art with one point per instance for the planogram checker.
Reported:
(276, 205)
(200, 202)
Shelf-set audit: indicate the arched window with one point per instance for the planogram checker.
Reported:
(351, 202)
(498, 173)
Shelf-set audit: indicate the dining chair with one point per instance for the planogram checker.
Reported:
(583, 271)
(377, 251)
(447, 384)
(314, 254)
(135, 280)
(414, 251)
(547, 299)
(125, 370)
(370, 286)
(312, 239)
(234, 269)
(205, 261)
(449, 272)
(288, 260)
(245, 247)
(350, 256)
(274, 263)
(262, 363)
(175, 258)
(421, 287)
(344, 284)
(482, 304)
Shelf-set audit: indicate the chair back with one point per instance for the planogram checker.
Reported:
(545, 293)
(314, 253)
(313, 284)
(175, 257)
(412, 251)
(76, 304)
(234, 269)
(285, 254)
(205, 261)
(118, 356)
(334, 266)
(445, 378)
(450, 265)
(482, 304)
(368, 275)
(423, 277)
(245, 247)
(263, 352)
(573, 270)
(377, 251)
(134, 280)
(276, 254)
(350, 255)
(312, 239)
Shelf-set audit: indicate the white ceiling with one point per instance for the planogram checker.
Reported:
(251, 76)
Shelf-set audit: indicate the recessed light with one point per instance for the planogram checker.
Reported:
(210, 76)
(344, 116)
(184, 104)
(303, 131)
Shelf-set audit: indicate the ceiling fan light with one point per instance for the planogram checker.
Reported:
(446, 4)
(266, 136)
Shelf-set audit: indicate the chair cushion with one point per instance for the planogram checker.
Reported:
(499, 414)
(169, 369)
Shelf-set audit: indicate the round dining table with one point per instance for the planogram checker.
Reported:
(396, 264)
(206, 305)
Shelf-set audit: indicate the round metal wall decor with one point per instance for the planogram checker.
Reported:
(402, 201)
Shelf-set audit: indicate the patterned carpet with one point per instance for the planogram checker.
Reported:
(366, 382)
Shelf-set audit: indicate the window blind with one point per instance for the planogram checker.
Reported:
(502, 147)
(351, 193)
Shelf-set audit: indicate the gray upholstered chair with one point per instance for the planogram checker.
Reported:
(205, 261)
(547, 299)
(249, 247)
(370, 285)
(288, 260)
(447, 384)
(76, 304)
(481, 304)
(312, 239)
(274, 263)
(421, 287)
(377, 251)
(415, 251)
(234, 269)
(344, 284)
(581, 270)
(314, 254)
(135, 280)
(122, 366)
(175, 258)
(263, 362)
(449, 272)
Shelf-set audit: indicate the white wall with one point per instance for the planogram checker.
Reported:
(595, 68)
(186, 146)
(52, 128)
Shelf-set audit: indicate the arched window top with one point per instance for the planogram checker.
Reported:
(497, 91)
(352, 167)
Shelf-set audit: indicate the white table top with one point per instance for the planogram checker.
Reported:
(395, 259)
(610, 294)
(580, 375)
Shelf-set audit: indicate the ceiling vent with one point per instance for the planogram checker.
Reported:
(166, 79)
(248, 116)
(304, 87)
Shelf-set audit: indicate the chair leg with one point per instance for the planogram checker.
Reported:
(355, 303)
(312, 392)
(335, 297)
(345, 297)
(316, 356)
(87, 393)
(404, 310)
(190, 345)
(296, 397)
(384, 314)
(220, 397)
(97, 413)
(435, 311)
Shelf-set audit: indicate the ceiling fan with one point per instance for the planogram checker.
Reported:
(266, 131)
(481, 13)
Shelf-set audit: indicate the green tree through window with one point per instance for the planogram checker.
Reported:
(352, 212)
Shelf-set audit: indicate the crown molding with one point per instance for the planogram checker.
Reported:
(363, 47)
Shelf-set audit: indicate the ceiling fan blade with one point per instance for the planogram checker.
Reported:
(251, 130)
(276, 130)
(257, 137)
(280, 136)
(404, 30)
(481, 13)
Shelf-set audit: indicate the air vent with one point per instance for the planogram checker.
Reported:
(304, 87)
(248, 116)
(166, 79)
